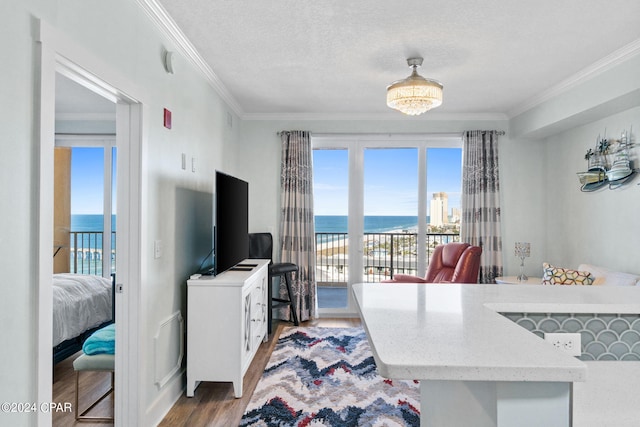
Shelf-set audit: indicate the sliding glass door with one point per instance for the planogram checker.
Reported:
(331, 205)
(372, 208)
(84, 217)
(390, 216)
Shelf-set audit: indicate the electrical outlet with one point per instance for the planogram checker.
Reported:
(567, 342)
(157, 249)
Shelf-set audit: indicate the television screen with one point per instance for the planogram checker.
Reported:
(232, 221)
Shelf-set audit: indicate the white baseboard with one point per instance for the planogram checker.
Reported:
(169, 395)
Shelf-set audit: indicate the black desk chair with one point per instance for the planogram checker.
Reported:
(261, 247)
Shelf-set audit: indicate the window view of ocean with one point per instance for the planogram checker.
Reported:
(323, 223)
(86, 243)
(91, 222)
(372, 224)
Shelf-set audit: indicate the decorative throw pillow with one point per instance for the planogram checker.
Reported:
(563, 276)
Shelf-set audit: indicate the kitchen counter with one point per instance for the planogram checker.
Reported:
(455, 341)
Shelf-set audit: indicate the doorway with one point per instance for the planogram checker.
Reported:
(60, 55)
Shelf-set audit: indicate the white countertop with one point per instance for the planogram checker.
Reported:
(455, 332)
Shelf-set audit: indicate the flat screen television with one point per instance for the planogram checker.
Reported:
(231, 221)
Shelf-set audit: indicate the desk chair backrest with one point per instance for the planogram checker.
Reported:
(261, 246)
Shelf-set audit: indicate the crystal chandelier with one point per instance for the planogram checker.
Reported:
(415, 94)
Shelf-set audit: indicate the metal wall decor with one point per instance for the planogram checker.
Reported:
(609, 164)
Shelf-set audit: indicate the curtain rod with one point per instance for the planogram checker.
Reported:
(498, 132)
(412, 134)
(382, 135)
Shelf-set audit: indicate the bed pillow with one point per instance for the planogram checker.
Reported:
(563, 276)
(621, 279)
(599, 273)
(604, 276)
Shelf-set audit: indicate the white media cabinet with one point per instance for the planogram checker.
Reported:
(226, 322)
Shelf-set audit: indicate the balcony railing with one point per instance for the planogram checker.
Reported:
(385, 254)
(85, 249)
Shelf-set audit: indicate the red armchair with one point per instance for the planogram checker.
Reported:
(451, 263)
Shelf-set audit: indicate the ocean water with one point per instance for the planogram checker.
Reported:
(89, 222)
(323, 223)
(86, 225)
(372, 224)
(87, 239)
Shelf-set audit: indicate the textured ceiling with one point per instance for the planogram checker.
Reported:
(337, 57)
(333, 58)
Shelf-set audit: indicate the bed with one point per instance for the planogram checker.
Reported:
(81, 304)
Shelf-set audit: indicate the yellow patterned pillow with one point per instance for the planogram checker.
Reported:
(563, 276)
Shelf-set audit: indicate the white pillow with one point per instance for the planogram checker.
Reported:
(621, 279)
(604, 276)
(598, 273)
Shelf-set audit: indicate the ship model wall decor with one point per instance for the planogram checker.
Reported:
(608, 163)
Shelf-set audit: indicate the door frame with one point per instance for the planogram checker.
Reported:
(58, 53)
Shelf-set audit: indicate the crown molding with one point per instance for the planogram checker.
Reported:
(374, 116)
(168, 27)
(608, 62)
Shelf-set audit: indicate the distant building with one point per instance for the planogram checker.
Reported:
(455, 215)
(439, 210)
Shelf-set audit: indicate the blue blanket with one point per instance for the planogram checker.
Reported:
(102, 341)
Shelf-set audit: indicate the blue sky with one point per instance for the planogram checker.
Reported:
(391, 180)
(391, 175)
(87, 180)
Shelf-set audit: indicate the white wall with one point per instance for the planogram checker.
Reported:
(17, 218)
(600, 227)
(117, 33)
(523, 203)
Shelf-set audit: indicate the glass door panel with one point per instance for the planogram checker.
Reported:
(87, 209)
(390, 212)
(444, 184)
(331, 201)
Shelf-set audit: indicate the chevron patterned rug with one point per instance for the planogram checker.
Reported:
(327, 377)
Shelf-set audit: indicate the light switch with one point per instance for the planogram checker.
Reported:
(157, 249)
(184, 161)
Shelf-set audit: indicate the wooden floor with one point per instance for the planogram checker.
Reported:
(212, 405)
(92, 386)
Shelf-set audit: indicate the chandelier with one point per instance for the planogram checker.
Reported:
(415, 94)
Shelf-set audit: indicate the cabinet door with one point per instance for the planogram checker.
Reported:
(247, 341)
(259, 314)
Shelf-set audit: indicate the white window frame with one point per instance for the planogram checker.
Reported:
(356, 144)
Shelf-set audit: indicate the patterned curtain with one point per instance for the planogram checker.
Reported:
(481, 201)
(297, 232)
